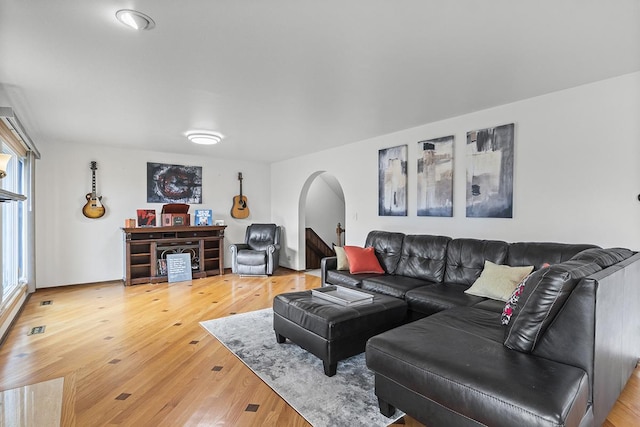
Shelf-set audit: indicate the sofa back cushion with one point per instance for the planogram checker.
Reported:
(545, 291)
(466, 257)
(423, 257)
(539, 253)
(388, 247)
(604, 257)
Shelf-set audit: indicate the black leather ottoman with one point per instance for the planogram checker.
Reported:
(332, 331)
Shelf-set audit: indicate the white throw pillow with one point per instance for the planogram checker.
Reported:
(498, 281)
(343, 261)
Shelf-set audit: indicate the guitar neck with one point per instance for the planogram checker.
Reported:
(93, 184)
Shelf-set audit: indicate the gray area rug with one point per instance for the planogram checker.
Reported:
(297, 376)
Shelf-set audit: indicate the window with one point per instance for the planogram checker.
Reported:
(13, 228)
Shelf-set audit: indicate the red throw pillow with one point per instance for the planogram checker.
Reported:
(362, 260)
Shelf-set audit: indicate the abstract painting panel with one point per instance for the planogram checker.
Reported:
(435, 177)
(490, 172)
(174, 183)
(392, 181)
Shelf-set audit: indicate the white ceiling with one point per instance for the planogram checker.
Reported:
(282, 78)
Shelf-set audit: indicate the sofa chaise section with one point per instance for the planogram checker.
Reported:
(453, 369)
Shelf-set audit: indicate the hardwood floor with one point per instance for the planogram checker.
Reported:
(138, 356)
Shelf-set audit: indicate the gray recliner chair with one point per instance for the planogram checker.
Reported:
(260, 254)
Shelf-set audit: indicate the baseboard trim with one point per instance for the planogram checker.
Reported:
(11, 309)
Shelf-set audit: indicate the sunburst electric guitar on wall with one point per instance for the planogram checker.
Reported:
(94, 207)
(240, 209)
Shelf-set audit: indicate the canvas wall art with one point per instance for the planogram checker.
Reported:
(392, 181)
(490, 162)
(174, 183)
(435, 177)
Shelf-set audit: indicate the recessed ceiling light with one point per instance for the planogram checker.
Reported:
(204, 137)
(134, 19)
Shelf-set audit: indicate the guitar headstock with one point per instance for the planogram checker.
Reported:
(94, 165)
(239, 176)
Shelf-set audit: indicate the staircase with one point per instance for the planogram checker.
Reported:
(315, 249)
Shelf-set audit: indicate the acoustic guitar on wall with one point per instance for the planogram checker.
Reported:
(240, 209)
(94, 207)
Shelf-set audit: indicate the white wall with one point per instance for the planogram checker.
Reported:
(72, 249)
(576, 180)
(576, 173)
(324, 210)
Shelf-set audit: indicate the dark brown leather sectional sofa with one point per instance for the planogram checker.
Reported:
(563, 359)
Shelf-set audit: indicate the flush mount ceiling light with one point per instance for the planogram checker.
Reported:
(204, 137)
(4, 161)
(134, 19)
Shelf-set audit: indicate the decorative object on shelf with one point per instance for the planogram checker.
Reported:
(174, 183)
(169, 220)
(203, 217)
(129, 223)
(146, 217)
(435, 177)
(240, 209)
(4, 163)
(93, 208)
(490, 172)
(162, 267)
(175, 214)
(392, 181)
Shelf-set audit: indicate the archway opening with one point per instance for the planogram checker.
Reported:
(322, 215)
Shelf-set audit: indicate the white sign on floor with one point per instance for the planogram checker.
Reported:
(178, 267)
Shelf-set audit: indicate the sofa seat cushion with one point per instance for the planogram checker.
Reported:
(251, 257)
(441, 296)
(455, 359)
(395, 286)
(491, 305)
(344, 278)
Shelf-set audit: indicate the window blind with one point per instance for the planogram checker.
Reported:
(12, 140)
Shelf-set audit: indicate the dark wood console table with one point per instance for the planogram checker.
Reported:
(146, 248)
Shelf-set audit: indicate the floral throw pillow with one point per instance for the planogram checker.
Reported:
(512, 302)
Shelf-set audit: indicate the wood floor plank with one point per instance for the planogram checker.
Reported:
(137, 356)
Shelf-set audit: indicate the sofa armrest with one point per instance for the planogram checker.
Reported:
(234, 248)
(273, 258)
(327, 263)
